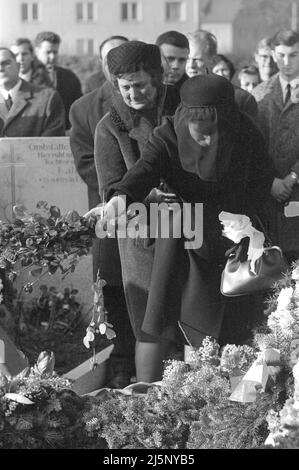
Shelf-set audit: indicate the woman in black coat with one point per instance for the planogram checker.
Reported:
(213, 154)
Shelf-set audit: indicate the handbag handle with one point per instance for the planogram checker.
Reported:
(267, 237)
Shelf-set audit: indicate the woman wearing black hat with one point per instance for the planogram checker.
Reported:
(210, 153)
(139, 102)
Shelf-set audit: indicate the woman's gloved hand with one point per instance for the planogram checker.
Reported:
(158, 196)
(108, 215)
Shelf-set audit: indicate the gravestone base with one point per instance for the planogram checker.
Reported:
(85, 379)
(12, 361)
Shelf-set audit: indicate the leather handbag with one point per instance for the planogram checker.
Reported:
(237, 279)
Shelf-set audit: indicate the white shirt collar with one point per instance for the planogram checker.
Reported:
(26, 76)
(12, 92)
(294, 83)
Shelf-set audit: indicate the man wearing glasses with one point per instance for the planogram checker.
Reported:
(263, 57)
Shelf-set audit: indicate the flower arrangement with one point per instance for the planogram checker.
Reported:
(190, 408)
(44, 241)
(284, 425)
(237, 358)
(282, 328)
(160, 418)
(38, 410)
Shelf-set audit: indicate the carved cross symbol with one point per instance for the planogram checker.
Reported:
(9, 161)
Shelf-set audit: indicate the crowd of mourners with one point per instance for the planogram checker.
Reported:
(171, 122)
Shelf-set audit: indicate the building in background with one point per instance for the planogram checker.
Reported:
(219, 18)
(84, 24)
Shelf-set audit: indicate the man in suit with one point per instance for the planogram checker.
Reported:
(278, 106)
(85, 113)
(29, 66)
(25, 109)
(203, 48)
(63, 80)
(174, 47)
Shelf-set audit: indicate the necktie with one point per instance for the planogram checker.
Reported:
(8, 102)
(288, 94)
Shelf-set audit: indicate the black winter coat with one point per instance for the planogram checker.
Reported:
(184, 290)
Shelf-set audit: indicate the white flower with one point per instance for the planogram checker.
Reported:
(289, 415)
(284, 298)
(295, 96)
(45, 363)
(295, 274)
(89, 338)
(286, 320)
(283, 320)
(102, 328)
(296, 373)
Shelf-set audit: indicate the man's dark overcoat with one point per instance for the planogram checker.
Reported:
(36, 112)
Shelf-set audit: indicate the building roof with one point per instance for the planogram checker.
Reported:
(220, 11)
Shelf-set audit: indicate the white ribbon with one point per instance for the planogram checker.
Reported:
(256, 377)
(238, 226)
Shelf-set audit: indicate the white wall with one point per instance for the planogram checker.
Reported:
(224, 35)
(59, 16)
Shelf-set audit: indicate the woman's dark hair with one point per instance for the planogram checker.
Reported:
(222, 58)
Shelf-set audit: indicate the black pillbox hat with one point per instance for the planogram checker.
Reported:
(207, 90)
(129, 56)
